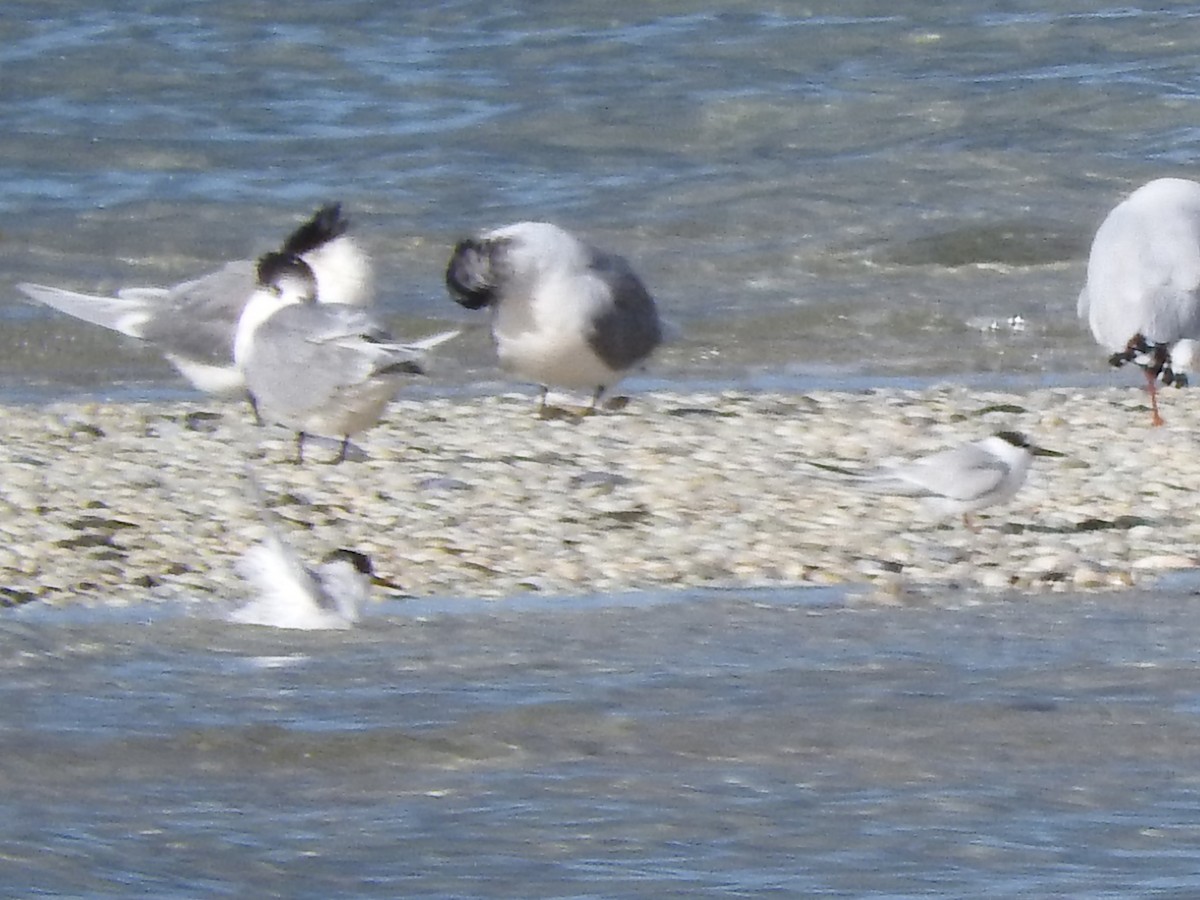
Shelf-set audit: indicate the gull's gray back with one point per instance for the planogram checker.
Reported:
(629, 330)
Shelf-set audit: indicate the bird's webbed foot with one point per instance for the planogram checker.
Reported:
(1154, 358)
(1171, 377)
(1135, 351)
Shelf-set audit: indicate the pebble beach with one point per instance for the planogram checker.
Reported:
(479, 497)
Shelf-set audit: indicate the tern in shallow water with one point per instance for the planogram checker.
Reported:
(564, 314)
(318, 368)
(1142, 295)
(958, 481)
(288, 594)
(192, 324)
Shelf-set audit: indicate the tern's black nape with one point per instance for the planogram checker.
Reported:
(1013, 437)
(274, 267)
(360, 561)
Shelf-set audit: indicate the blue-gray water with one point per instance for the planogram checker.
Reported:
(807, 189)
(812, 191)
(711, 744)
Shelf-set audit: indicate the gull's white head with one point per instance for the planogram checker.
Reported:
(482, 268)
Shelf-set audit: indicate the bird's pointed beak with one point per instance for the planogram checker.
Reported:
(386, 584)
(1042, 451)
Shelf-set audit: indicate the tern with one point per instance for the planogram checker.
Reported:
(318, 368)
(192, 324)
(289, 594)
(960, 480)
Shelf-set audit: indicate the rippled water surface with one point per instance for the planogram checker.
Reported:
(807, 188)
(716, 744)
(821, 191)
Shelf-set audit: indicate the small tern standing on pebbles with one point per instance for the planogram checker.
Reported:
(318, 368)
(961, 480)
(289, 594)
(564, 314)
(1142, 295)
(193, 323)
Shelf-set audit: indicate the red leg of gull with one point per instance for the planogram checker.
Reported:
(1152, 387)
(1153, 368)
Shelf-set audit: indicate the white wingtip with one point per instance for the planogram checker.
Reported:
(128, 314)
(433, 340)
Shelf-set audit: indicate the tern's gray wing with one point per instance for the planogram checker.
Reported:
(128, 315)
(273, 566)
(198, 318)
(963, 473)
(286, 593)
(192, 321)
(306, 353)
(629, 329)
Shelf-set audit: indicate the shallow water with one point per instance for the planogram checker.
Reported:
(816, 197)
(806, 190)
(708, 743)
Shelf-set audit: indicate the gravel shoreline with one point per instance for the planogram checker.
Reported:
(478, 497)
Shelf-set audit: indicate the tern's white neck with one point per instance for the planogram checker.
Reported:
(263, 304)
(1017, 458)
(346, 587)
